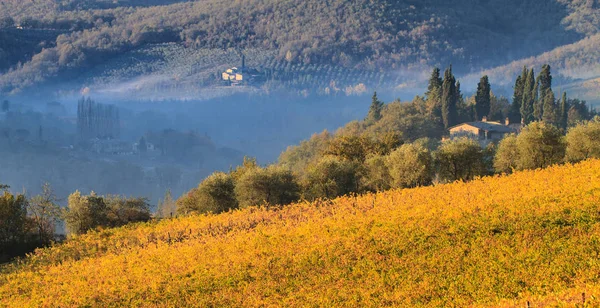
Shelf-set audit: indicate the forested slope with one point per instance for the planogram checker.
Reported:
(379, 35)
(496, 241)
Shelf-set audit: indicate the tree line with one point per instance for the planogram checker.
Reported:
(396, 146)
(30, 223)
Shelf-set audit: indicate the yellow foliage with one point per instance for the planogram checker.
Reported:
(496, 241)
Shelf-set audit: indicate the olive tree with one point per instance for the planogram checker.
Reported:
(376, 176)
(460, 159)
(507, 155)
(271, 186)
(216, 194)
(540, 145)
(410, 165)
(583, 141)
(331, 177)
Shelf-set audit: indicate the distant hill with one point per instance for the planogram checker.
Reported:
(493, 242)
(576, 69)
(373, 36)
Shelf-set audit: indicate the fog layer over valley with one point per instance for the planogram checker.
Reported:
(42, 141)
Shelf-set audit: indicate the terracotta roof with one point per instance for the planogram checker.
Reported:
(488, 126)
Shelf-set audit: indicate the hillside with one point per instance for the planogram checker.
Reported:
(497, 241)
(575, 66)
(391, 36)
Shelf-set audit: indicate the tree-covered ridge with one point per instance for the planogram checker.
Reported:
(371, 35)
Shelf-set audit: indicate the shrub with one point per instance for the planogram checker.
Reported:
(272, 186)
(86, 213)
(507, 155)
(460, 159)
(216, 194)
(540, 145)
(583, 141)
(331, 177)
(376, 174)
(410, 165)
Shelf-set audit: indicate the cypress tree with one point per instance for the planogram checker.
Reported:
(435, 83)
(434, 92)
(545, 80)
(563, 113)
(374, 111)
(449, 99)
(549, 108)
(538, 104)
(527, 104)
(515, 114)
(483, 98)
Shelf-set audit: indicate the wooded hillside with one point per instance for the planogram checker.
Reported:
(379, 35)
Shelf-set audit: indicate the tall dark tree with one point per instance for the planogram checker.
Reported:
(549, 108)
(483, 98)
(538, 104)
(528, 98)
(434, 92)
(563, 112)
(435, 83)
(544, 84)
(515, 113)
(449, 99)
(375, 110)
(545, 80)
(459, 96)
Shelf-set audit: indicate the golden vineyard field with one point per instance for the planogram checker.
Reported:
(498, 241)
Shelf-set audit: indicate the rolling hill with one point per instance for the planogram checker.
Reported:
(379, 36)
(576, 68)
(498, 241)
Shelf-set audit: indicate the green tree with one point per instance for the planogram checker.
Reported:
(434, 93)
(449, 99)
(483, 98)
(410, 165)
(550, 114)
(499, 108)
(515, 113)
(540, 145)
(563, 112)
(15, 227)
(45, 213)
(545, 80)
(350, 147)
(528, 99)
(376, 174)
(297, 158)
(578, 112)
(331, 177)
(122, 210)
(374, 114)
(86, 213)
(583, 141)
(248, 164)
(460, 159)
(13, 219)
(538, 107)
(271, 186)
(507, 155)
(216, 194)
